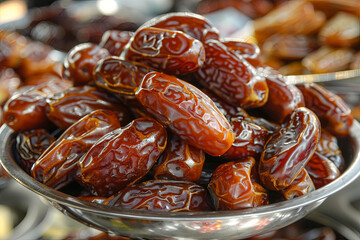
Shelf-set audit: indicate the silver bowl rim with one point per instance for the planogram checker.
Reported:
(52, 195)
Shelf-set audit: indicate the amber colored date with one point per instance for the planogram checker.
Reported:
(162, 196)
(114, 41)
(231, 77)
(334, 114)
(329, 148)
(249, 51)
(321, 170)
(192, 24)
(289, 149)
(172, 52)
(250, 139)
(122, 157)
(57, 166)
(12, 45)
(231, 186)
(26, 110)
(30, 145)
(67, 107)
(187, 111)
(119, 76)
(301, 185)
(180, 161)
(283, 98)
(80, 62)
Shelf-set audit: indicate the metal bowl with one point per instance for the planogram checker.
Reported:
(194, 225)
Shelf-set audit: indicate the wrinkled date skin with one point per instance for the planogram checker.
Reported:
(301, 185)
(57, 166)
(231, 77)
(289, 149)
(80, 62)
(187, 111)
(283, 98)
(161, 196)
(26, 110)
(122, 157)
(192, 24)
(67, 107)
(231, 186)
(115, 41)
(249, 51)
(119, 76)
(333, 112)
(250, 139)
(30, 145)
(172, 52)
(180, 161)
(329, 148)
(321, 170)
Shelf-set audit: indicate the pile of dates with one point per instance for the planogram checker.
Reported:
(173, 118)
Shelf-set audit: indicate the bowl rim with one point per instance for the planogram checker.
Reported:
(52, 195)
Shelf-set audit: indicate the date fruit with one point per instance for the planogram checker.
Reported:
(301, 185)
(187, 111)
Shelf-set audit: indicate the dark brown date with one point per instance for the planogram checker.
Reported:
(30, 145)
(65, 108)
(81, 61)
(26, 110)
(57, 166)
(329, 148)
(187, 111)
(162, 196)
(301, 185)
(122, 157)
(321, 170)
(283, 98)
(249, 51)
(333, 112)
(114, 41)
(119, 76)
(180, 161)
(192, 24)
(289, 149)
(250, 139)
(231, 77)
(231, 186)
(172, 52)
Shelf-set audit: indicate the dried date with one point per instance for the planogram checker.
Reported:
(57, 166)
(172, 52)
(67, 107)
(162, 196)
(249, 51)
(231, 77)
(122, 157)
(289, 149)
(80, 62)
(301, 185)
(187, 111)
(232, 187)
(115, 41)
(333, 112)
(9, 82)
(180, 161)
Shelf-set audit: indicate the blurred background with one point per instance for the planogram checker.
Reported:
(306, 37)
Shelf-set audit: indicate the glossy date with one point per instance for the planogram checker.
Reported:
(57, 166)
(162, 196)
(187, 111)
(172, 52)
(122, 156)
(289, 149)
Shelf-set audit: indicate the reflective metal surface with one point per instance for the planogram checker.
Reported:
(325, 77)
(198, 225)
